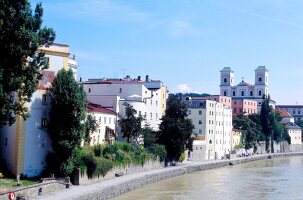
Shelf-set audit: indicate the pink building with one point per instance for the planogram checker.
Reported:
(218, 98)
(246, 106)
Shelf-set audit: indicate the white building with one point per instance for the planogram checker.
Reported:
(295, 133)
(245, 90)
(106, 129)
(147, 97)
(213, 123)
(25, 144)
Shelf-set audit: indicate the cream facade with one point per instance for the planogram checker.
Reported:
(25, 144)
(295, 133)
(213, 123)
(106, 125)
(236, 138)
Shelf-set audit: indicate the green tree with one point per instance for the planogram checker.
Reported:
(267, 119)
(149, 136)
(131, 124)
(90, 126)
(175, 128)
(20, 62)
(249, 130)
(67, 117)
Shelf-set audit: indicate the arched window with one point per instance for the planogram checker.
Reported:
(260, 93)
(251, 93)
(225, 93)
(260, 79)
(242, 93)
(210, 142)
(225, 80)
(234, 93)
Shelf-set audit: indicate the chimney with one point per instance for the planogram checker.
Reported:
(139, 78)
(147, 78)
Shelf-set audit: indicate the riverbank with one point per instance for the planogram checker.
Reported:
(114, 187)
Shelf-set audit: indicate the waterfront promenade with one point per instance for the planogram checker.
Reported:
(116, 186)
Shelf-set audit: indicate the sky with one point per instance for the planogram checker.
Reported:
(184, 43)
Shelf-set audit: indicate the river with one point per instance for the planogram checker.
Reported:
(279, 178)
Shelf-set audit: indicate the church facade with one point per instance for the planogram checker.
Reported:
(245, 90)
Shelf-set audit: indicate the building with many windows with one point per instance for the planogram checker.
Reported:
(246, 106)
(148, 97)
(245, 90)
(295, 110)
(213, 124)
(25, 144)
(106, 124)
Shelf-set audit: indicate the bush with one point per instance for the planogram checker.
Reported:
(182, 157)
(158, 151)
(98, 150)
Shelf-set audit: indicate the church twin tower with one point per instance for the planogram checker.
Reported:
(243, 89)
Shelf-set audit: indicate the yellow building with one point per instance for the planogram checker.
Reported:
(236, 138)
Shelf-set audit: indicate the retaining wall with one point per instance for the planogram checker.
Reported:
(35, 190)
(112, 191)
(79, 178)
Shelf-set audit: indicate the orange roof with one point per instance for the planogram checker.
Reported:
(283, 113)
(91, 107)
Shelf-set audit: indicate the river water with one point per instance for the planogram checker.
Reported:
(279, 178)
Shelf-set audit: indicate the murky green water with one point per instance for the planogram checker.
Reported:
(279, 178)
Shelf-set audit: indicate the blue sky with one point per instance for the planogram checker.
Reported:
(185, 43)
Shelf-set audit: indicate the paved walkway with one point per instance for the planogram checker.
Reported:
(76, 191)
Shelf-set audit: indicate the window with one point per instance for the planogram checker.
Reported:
(43, 122)
(156, 116)
(145, 114)
(89, 90)
(156, 103)
(110, 120)
(200, 121)
(225, 93)
(104, 120)
(242, 93)
(44, 98)
(235, 103)
(163, 105)
(294, 112)
(139, 113)
(151, 102)
(163, 96)
(260, 79)
(251, 93)
(234, 93)
(299, 112)
(200, 131)
(210, 142)
(225, 80)
(100, 120)
(260, 93)
(151, 116)
(200, 112)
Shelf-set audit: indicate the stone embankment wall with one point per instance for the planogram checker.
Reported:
(35, 190)
(79, 178)
(120, 188)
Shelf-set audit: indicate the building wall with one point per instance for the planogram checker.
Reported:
(104, 120)
(236, 138)
(295, 135)
(149, 102)
(244, 105)
(28, 142)
(295, 110)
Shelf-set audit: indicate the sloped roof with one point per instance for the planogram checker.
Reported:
(227, 69)
(242, 83)
(291, 125)
(91, 107)
(283, 113)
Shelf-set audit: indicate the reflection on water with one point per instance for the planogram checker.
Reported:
(279, 178)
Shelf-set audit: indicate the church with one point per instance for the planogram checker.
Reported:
(245, 90)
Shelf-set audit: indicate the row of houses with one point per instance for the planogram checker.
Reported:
(25, 145)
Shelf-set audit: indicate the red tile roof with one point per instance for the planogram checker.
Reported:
(91, 107)
(283, 113)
